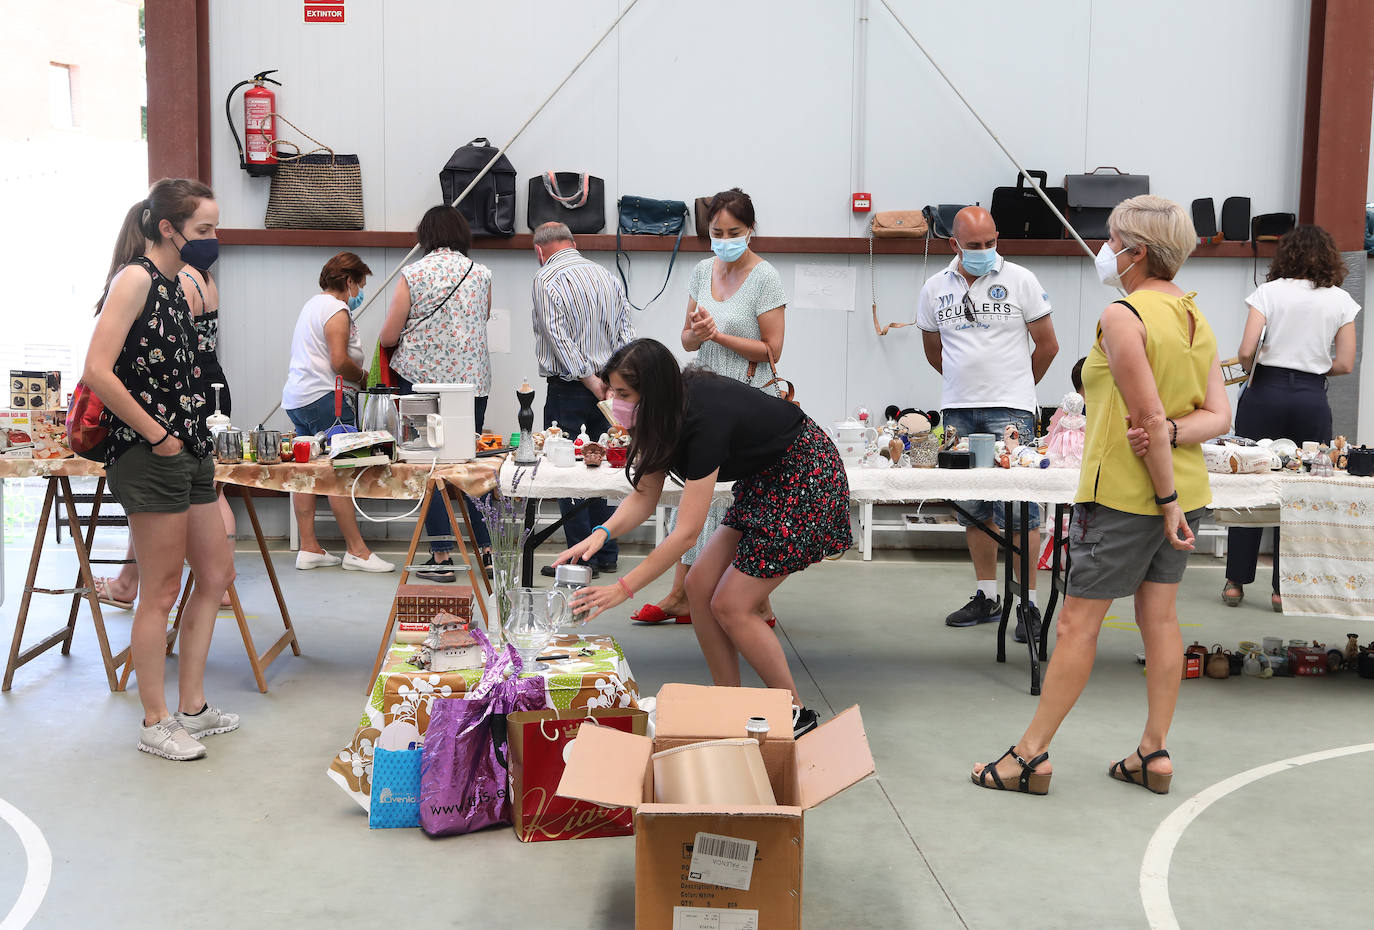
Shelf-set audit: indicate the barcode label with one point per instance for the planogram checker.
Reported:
(714, 918)
(723, 861)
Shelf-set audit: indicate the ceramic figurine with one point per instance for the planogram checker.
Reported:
(1321, 463)
(1339, 452)
(593, 454)
(555, 429)
(1352, 649)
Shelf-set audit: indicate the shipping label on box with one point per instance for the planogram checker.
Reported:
(714, 918)
(722, 860)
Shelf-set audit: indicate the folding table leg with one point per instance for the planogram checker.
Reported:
(469, 557)
(1032, 639)
(88, 581)
(1056, 540)
(480, 571)
(22, 618)
(415, 537)
(1008, 580)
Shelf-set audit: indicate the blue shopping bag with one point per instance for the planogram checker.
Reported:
(395, 788)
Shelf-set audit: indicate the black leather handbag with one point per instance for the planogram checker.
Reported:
(644, 216)
(1092, 196)
(1020, 213)
(490, 208)
(578, 200)
(940, 218)
(1235, 219)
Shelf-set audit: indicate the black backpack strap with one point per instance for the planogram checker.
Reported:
(666, 279)
(411, 324)
(1128, 306)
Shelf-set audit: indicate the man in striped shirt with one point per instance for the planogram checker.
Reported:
(581, 317)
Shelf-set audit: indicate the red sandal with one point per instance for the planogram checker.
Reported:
(652, 613)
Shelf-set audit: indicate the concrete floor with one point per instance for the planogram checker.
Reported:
(256, 835)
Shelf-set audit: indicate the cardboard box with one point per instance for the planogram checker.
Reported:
(35, 390)
(719, 866)
(36, 434)
(539, 742)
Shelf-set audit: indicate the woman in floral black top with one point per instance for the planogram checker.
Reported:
(142, 364)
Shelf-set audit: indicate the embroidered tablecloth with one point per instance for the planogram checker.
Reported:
(404, 692)
(397, 480)
(1326, 548)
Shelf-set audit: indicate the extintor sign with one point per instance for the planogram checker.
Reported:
(324, 11)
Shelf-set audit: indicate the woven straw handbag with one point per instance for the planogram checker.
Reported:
(315, 190)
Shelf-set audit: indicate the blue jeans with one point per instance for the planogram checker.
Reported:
(318, 415)
(572, 405)
(436, 518)
(969, 420)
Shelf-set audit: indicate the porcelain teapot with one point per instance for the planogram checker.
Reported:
(852, 432)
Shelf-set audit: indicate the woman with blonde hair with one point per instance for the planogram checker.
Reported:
(1142, 489)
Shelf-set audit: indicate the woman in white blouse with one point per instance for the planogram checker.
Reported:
(1301, 330)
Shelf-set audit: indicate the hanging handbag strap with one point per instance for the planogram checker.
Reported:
(412, 324)
(320, 146)
(873, 282)
(788, 394)
(619, 251)
(572, 201)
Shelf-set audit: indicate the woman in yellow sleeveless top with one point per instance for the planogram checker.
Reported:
(1143, 487)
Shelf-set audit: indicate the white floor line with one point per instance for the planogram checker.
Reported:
(39, 874)
(1154, 869)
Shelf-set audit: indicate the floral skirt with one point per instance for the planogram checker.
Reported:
(794, 513)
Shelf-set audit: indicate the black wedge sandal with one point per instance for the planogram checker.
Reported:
(1158, 784)
(1030, 782)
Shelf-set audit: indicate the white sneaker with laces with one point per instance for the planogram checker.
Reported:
(208, 722)
(168, 738)
(373, 563)
(308, 560)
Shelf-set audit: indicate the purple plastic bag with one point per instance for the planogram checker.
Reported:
(463, 774)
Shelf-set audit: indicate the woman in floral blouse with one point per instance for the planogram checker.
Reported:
(142, 365)
(437, 323)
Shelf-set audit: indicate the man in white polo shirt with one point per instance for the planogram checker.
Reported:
(979, 318)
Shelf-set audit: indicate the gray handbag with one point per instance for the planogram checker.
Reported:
(1093, 195)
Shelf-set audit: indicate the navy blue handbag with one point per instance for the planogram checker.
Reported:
(644, 216)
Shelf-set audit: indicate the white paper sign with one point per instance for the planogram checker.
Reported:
(722, 860)
(714, 918)
(498, 330)
(824, 287)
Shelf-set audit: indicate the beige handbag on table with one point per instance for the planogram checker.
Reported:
(894, 224)
(315, 190)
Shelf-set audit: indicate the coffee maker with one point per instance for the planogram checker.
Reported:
(438, 424)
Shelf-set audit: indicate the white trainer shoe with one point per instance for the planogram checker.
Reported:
(168, 738)
(208, 722)
(308, 560)
(373, 563)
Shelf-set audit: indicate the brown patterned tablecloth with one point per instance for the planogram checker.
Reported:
(397, 480)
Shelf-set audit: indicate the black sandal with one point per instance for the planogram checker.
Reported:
(1030, 782)
(1121, 773)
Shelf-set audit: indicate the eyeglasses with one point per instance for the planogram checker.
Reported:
(968, 308)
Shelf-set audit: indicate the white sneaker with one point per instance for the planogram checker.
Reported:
(208, 722)
(168, 738)
(373, 563)
(308, 560)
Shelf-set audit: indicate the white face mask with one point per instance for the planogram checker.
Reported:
(1106, 267)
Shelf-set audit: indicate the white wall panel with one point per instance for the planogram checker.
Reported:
(690, 98)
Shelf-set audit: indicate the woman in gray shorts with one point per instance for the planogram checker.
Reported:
(1141, 490)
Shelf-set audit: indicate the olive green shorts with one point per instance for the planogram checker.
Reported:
(145, 482)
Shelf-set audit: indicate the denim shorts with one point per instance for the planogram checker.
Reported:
(318, 415)
(969, 420)
(145, 482)
(1112, 552)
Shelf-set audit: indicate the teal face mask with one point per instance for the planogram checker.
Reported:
(355, 301)
(729, 250)
(979, 262)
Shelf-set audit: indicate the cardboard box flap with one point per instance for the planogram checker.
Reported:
(832, 757)
(606, 767)
(702, 712)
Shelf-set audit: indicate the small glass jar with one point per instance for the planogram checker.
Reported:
(570, 579)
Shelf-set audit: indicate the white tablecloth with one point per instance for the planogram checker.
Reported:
(904, 485)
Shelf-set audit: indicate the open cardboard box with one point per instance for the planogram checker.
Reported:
(719, 866)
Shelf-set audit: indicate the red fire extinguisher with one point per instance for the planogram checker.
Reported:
(259, 124)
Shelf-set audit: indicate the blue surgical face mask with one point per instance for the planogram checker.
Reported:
(355, 301)
(200, 254)
(729, 250)
(978, 262)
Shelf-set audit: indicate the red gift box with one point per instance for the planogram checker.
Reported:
(1305, 660)
(538, 744)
